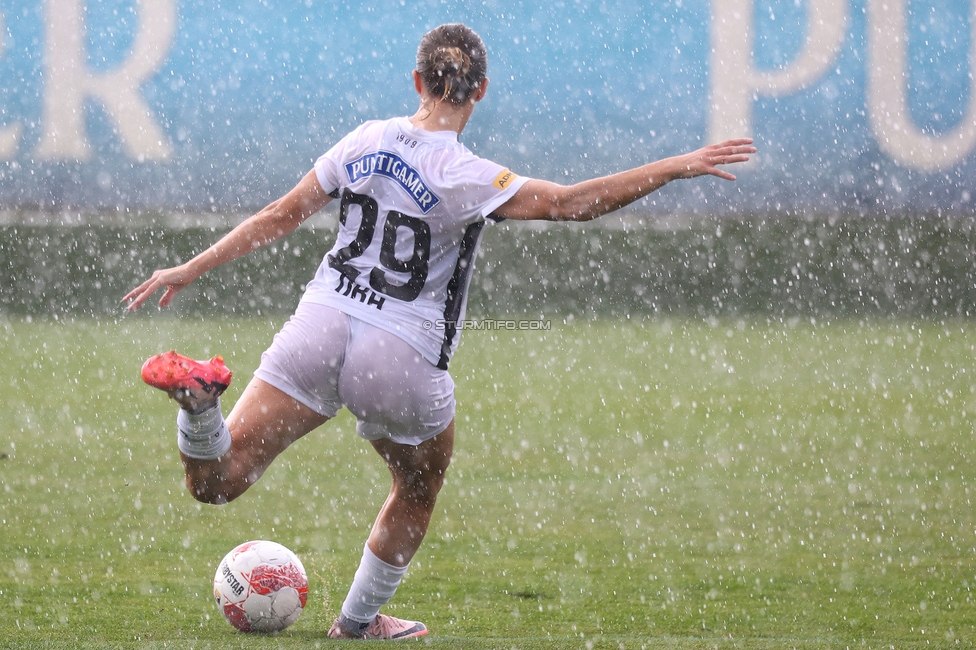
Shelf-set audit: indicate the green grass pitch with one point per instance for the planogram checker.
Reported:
(654, 484)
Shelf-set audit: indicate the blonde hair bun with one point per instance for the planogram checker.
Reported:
(452, 61)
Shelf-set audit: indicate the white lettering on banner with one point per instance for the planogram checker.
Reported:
(887, 95)
(735, 81)
(734, 84)
(69, 83)
(9, 135)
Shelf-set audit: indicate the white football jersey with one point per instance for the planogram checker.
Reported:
(412, 207)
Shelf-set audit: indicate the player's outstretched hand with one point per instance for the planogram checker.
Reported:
(172, 280)
(705, 161)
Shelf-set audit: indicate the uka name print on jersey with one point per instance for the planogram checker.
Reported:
(347, 287)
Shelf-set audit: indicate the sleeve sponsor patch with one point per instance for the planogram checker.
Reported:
(504, 180)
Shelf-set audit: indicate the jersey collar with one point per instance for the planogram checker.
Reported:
(404, 123)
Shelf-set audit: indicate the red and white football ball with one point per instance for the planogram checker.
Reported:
(261, 586)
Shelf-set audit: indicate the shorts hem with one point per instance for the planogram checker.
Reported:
(291, 391)
(373, 431)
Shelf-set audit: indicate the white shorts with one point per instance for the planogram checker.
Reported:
(326, 359)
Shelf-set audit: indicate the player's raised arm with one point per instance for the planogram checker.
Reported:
(271, 223)
(599, 196)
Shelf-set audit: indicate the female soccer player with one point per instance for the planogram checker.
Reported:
(413, 203)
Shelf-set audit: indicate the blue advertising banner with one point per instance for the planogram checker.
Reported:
(855, 105)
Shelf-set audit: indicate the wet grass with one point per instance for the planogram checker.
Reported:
(661, 484)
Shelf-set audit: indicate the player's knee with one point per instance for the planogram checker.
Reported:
(422, 486)
(212, 493)
(204, 494)
(437, 468)
(434, 472)
(433, 485)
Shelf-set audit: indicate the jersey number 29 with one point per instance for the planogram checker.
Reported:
(417, 265)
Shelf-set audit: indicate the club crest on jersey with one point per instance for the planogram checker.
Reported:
(394, 167)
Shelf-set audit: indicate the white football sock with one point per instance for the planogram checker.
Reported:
(374, 586)
(203, 436)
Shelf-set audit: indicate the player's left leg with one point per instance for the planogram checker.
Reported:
(418, 473)
(293, 392)
(223, 458)
(263, 423)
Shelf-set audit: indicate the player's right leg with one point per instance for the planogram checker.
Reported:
(405, 407)
(418, 473)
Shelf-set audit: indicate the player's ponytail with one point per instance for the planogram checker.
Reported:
(452, 61)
